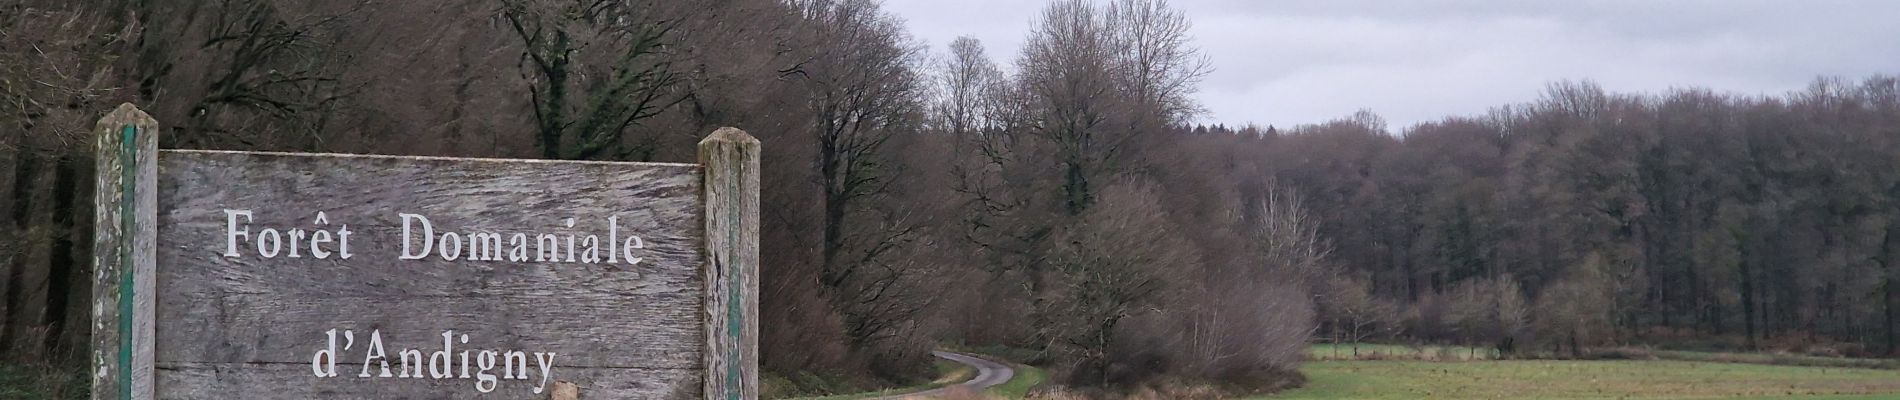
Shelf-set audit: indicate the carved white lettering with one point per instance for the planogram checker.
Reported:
(269, 242)
(520, 252)
(411, 363)
(408, 236)
(231, 231)
(484, 246)
(448, 347)
(323, 364)
(485, 362)
(452, 246)
(296, 240)
(546, 362)
(375, 353)
(633, 243)
(510, 360)
(547, 248)
(442, 362)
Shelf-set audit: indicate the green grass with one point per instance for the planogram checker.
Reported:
(1025, 378)
(1546, 379)
(1375, 351)
(1012, 354)
(1777, 359)
(1018, 385)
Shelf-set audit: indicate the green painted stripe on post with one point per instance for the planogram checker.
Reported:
(735, 314)
(128, 186)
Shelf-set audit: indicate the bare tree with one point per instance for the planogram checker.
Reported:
(1353, 315)
(1067, 74)
(1154, 58)
(1488, 311)
(1576, 310)
(595, 69)
(242, 74)
(1116, 262)
(1100, 80)
(1287, 240)
(1511, 313)
(1255, 315)
(969, 89)
(864, 90)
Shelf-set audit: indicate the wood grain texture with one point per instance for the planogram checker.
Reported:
(731, 161)
(123, 255)
(287, 381)
(250, 325)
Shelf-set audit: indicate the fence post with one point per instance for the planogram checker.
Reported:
(125, 222)
(730, 161)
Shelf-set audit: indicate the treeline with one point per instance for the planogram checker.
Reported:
(1687, 218)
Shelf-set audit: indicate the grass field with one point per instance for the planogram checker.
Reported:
(1026, 377)
(1375, 351)
(1621, 379)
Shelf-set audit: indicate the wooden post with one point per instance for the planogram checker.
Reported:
(730, 161)
(125, 219)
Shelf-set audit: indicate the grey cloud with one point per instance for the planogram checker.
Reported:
(1295, 62)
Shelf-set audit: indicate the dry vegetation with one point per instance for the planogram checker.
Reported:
(1624, 379)
(916, 196)
(908, 192)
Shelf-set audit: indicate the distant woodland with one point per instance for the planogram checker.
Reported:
(1070, 202)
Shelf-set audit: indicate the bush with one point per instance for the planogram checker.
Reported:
(1118, 263)
(1351, 314)
(1248, 320)
(1575, 311)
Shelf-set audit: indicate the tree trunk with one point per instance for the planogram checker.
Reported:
(1411, 283)
(1748, 289)
(1076, 187)
(830, 168)
(554, 107)
(1697, 323)
(1355, 338)
(1576, 346)
(1748, 302)
(1890, 288)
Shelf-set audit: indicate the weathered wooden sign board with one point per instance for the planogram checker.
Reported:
(301, 276)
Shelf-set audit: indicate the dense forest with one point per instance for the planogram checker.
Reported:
(1071, 202)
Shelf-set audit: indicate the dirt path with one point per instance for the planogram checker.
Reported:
(988, 373)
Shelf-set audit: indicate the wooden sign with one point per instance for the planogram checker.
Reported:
(301, 276)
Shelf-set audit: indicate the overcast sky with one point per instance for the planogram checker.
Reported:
(1298, 62)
